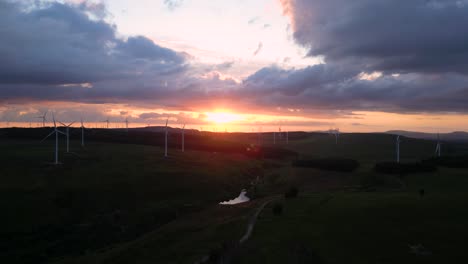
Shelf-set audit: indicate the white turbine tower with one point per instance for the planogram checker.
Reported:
(67, 134)
(82, 133)
(438, 147)
(56, 132)
(43, 117)
(398, 149)
(165, 146)
(183, 138)
(337, 135)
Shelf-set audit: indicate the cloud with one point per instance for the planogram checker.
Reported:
(69, 53)
(341, 87)
(259, 48)
(59, 52)
(173, 4)
(391, 36)
(253, 20)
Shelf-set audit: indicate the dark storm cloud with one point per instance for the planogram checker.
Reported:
(60, 44)
(61, 52)
(394, 36)
(342, 88)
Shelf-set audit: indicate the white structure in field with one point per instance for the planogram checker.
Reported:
(438, 147)
(183, 138)
(165, 145)
(67, 133)
(82, 133)
(398, 149)
(336, 133)
(56, 132)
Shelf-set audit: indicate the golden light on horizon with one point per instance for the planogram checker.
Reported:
(222, 117)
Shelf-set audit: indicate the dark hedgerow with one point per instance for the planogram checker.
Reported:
(404, 168)
(291, 193)
(449, 161)
(277, 209)
(332, 164)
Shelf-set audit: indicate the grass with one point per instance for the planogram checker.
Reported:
(105, 194)
(362, 228)
(126, 203)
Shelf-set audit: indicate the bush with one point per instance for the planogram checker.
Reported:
(277, 209)
(449, 161)
(291, 193)
(404, 168)
(333, 164)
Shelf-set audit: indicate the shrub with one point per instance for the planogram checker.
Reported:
(277, 209)
(291, 193)
(404, 168)
(332, 164)
(449, 161)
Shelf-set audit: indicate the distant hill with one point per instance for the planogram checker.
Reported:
(453, 136)
(161, 129)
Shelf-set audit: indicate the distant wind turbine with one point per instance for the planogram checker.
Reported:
(438, 147)
(67, 134)
(107, 122)
(56, 132)
(183, 138)
(82, 133)
(398, 149)
(165, 146)
(126, 123)
(43, 117)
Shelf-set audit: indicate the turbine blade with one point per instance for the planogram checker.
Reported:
(62, 123)
(51, 133)
(58, 131)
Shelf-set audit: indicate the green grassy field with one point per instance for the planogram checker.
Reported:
(104, 194)
(126, 203)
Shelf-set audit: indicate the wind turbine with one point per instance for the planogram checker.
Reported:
(165, 147)
(56, 132)
(82, 133)
(43, 117)
(398, 149)
(126, 123)
(337, 135)
(107, 122)
(183, 138)
(438, 147)
(67, 134)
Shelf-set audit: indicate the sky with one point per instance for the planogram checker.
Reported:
(361, 66)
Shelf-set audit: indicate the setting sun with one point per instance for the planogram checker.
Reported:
(222, 117)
